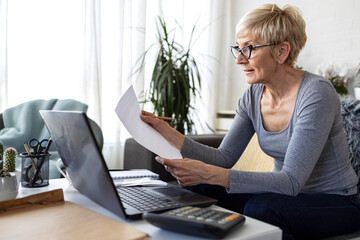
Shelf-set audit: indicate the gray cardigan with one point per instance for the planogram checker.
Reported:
(310, 154)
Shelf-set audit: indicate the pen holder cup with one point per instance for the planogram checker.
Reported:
(34, 170)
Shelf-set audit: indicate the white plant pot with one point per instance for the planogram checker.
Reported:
(357, 93)
(18, 175)
(8, 187)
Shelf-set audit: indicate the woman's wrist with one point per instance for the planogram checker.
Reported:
(175, 138)
(219, 176)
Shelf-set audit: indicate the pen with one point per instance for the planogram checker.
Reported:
(164, 118)
(34, 160)
(48, 146)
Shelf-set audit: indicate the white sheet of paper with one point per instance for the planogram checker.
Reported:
(128, 110)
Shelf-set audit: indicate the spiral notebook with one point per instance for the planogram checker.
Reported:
(136, 177)
(135, 173)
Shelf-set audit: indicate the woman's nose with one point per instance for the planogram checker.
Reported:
(241, 59)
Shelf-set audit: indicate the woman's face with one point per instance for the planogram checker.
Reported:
(261, 65)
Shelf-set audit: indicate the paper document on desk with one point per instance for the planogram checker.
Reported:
(128, 110)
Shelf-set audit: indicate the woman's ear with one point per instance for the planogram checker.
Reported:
(283, 52)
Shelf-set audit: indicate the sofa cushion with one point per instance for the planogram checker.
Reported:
(254, 159)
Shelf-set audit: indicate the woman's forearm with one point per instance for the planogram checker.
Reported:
(174, 137)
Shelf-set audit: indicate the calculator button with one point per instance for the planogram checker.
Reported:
(232, 217)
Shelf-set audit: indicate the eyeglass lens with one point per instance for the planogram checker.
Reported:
(245, 51)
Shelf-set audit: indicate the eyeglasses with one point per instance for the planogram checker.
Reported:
(246, 51)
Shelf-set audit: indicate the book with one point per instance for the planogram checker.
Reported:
(136, 177)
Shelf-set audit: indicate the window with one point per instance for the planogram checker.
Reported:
(45, 49)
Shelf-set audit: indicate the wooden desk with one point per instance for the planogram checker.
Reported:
(252, 229)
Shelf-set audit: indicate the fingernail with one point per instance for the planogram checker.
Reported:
(159, 159)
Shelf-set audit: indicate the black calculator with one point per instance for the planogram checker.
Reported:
(203, 222)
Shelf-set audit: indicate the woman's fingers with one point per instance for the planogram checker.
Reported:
(149, 119)
(182, 170)
(158, 124)
(169, 164)
(159, 159)
(145, 113)
(189, 172)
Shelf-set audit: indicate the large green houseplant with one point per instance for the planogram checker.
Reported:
(175, 80)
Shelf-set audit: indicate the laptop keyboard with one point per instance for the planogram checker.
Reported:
(144, 201)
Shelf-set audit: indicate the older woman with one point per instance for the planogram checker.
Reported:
(312, 190)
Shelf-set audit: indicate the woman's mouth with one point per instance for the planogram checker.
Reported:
(248, 71)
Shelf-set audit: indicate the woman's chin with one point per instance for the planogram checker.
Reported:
(250, 80)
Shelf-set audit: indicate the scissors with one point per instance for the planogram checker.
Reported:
(38, 147)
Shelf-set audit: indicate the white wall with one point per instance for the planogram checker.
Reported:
(333, 31)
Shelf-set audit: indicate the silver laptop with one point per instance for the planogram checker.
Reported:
(85, 164)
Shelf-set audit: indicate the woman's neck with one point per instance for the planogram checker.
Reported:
(284, 85)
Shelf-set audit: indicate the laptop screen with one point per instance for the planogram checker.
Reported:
(82, 157)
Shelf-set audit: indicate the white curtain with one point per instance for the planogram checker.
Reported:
(92, 80)
(3, 54)
(87, 50)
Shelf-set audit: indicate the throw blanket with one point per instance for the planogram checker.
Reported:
(350, 110)
(24, 122)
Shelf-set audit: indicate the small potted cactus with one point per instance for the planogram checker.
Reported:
(9, 158)
(8, 180)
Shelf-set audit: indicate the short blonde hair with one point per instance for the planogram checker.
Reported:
(275, 25)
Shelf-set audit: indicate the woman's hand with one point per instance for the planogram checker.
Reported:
(174, 137)
(189, 172)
